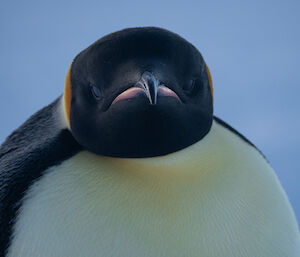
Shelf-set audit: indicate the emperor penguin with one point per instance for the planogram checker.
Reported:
(131, 161)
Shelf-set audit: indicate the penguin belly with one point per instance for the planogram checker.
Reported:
(218, 197)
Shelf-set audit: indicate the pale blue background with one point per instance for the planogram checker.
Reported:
(252, 49)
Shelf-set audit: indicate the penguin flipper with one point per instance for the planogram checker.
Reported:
(38, 144)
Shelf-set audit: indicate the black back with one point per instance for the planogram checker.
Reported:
(38, 144)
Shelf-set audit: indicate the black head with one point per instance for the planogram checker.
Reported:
(140, 92)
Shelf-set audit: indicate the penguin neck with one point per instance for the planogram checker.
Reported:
(197, 159)
(197, 162)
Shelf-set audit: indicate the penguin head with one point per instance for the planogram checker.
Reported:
(139, 92)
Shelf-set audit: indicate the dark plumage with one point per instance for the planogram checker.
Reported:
(38, 144)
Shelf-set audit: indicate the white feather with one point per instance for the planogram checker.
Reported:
(218, 197)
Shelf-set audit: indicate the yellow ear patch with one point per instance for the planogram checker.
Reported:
(68, 95)
(210, 80)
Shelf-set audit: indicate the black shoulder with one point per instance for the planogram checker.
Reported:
(225, 125)
(38, 144)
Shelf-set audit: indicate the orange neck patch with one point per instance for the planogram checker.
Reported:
(68, 95)
(210, 80)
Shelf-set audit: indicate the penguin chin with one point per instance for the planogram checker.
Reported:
(133, 128)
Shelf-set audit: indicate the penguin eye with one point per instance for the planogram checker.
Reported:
(192, 86)
(189, 86)
(95, 92)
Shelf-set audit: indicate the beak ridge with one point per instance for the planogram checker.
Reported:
(150, 84)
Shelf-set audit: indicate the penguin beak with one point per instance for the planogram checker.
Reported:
(148, 85)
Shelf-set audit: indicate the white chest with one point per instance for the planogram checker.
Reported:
(94, 206)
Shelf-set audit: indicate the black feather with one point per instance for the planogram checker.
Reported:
(37, 145)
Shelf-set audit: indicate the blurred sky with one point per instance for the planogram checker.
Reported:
(251, 47)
